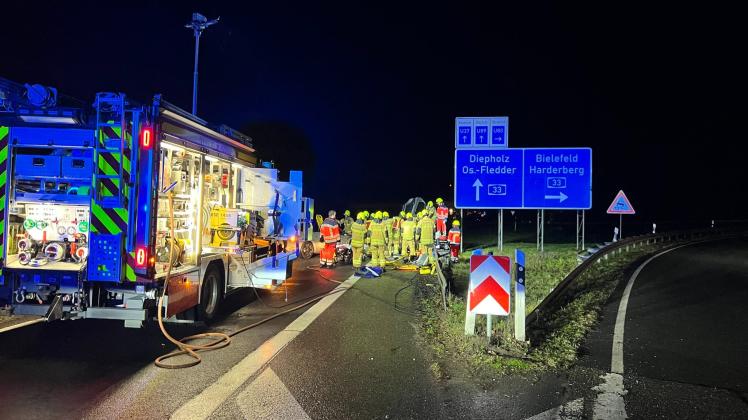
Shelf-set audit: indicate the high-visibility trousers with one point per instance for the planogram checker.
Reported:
(409, 247)
(377, 255)
(441, 226)
(455, 250)
(428, 249)
(327, 254)
(358, 255)
(394, 245)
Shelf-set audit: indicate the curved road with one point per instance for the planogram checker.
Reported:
(686, 334)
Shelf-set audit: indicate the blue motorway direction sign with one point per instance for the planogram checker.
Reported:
(523, 178)
(488, 178)
(481, 132)
(558, 178)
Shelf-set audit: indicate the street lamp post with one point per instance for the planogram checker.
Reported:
(198, 25)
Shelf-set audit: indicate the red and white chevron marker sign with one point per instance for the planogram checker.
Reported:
(489, 285)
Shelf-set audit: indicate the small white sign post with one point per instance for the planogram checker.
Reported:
(519, 295)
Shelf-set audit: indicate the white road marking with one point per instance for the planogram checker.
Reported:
(616, 362)
(268, 398)
(609, 403)
(571, 410)
(204, 404)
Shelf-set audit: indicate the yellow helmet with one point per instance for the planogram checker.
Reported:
(360, 216)
(385, 215)
(402, 214)
(421, 213)
(365, 213)
(378, 215)
(409, 215)
(439, 200)
(456, 223)
(347, 213)
(430, 203)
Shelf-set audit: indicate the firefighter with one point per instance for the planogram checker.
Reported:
(442, 214)
(408, 236)
(367, 240)
(425, 235)
(330, 232)
(378, 235)
(358, 234)
(429, 210)
(455, 238)
(387, 222)
(395, 238)
(347, 224)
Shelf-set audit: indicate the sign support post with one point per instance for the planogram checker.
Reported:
(501, 229)
(583, 229)
(462, 222)
(469, 317)
(489, 326)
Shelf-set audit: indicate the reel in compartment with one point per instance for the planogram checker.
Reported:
(24, 257)
(55, 251)
(27, 245)
(81, 254)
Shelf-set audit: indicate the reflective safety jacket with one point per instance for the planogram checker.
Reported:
(426, 229)
(442, 212)
(378, 233)
(454, 236)
(358, 233)
(347, 224)
(396, 225)
(409, 230)
(330, 230)
(388, 227)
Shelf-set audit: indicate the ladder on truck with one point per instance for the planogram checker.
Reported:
(112, 186)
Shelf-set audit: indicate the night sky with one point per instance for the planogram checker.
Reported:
(363, 98)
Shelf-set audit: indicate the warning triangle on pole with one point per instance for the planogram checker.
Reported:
(621, 205)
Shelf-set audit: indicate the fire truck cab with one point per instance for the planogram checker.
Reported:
(98, 202)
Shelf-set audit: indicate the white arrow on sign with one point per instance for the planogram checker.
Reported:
(561, 197)
(477, 184)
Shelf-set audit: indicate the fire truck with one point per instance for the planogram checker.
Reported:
(98, 202)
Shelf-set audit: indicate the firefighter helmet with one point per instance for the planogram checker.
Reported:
(347, 213)
(456, 223)
(439, 200)
(386, 215)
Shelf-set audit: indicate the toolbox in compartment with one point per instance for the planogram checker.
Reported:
(38, 166)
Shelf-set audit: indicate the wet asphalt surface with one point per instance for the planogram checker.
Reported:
(99, 369)
(685, 340)
(684, 355)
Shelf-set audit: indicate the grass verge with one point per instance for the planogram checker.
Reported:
(553, 347)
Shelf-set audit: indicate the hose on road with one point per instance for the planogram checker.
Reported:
(219, 340)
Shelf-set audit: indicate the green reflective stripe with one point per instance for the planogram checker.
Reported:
(129, 273)
(105, 220)
(121, 212)
(105, 167)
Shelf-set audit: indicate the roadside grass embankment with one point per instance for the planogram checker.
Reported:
(555, 346)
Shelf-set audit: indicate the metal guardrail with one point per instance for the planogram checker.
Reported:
(602, 253)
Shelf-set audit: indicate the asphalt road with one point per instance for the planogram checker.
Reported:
(684, 353)
(685, 341)
(99, 369)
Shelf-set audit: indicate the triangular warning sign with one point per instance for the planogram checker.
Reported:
(621, 205)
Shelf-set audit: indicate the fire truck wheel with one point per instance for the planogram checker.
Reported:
(307, 250)
(211, 294)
